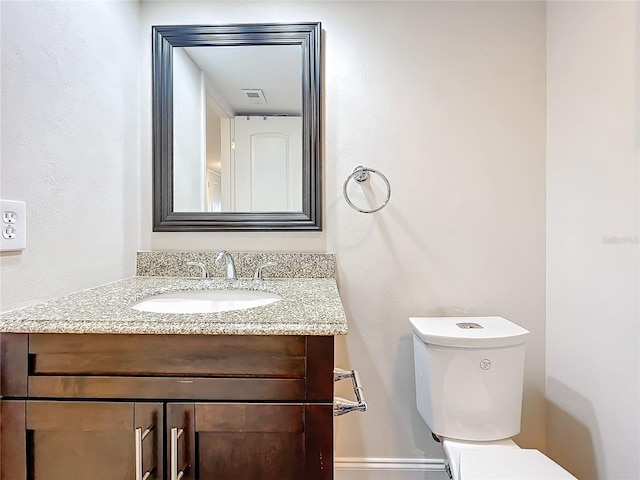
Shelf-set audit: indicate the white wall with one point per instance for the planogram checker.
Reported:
(70, 144)
(448, 100)
(593, 209)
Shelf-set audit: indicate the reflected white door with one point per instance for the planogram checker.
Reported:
(268, 164)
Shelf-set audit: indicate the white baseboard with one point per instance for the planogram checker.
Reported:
(347, 468)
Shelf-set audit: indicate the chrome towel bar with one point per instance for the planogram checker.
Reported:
(342, 406)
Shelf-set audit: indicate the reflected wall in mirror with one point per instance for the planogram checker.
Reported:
(236, 118)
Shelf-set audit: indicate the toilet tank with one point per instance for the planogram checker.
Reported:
(469, 375)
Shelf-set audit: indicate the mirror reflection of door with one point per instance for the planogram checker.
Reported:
(268, 164)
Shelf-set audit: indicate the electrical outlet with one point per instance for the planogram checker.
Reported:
(14, 225)
(9, 233)
(9, 217)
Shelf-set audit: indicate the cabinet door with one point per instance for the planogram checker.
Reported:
(249, 441)
(82, 440)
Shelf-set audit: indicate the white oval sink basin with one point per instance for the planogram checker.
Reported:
(205, 301)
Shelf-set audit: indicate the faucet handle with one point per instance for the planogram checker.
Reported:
(204, 272)
(221, 255)
(258, 275)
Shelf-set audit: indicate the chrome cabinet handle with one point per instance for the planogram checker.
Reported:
(342, 406)
(140, 436)
(176, 474)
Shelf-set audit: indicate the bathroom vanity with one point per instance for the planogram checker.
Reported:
(223, 407)
(92, 389)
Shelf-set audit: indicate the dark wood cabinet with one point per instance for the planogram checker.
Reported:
(157, 407)
(54, 440)
(218, 441)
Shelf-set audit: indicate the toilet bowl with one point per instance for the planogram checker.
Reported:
(469, 374)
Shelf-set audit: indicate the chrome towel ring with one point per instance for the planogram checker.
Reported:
(361, 174)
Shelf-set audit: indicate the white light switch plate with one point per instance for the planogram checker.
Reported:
(13, 225)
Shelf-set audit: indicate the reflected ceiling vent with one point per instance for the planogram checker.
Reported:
(255, 96)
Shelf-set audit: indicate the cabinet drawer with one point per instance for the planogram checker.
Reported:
(172, 367)
(171, 388)
(168, 355)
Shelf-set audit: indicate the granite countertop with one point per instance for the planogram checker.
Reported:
(309, 306)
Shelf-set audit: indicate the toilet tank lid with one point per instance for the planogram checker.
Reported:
(468, 332)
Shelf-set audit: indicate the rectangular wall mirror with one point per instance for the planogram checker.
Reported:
(236, 127)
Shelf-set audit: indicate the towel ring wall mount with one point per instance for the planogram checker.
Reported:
(361, 174)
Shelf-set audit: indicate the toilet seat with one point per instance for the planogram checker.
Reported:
(499, 460)
(509, 464)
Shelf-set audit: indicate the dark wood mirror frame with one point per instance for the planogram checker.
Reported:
(165, 38)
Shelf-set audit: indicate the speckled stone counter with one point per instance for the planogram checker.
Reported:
(309, 306)
(288, 265)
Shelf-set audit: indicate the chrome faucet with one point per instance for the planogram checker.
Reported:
(231, 266)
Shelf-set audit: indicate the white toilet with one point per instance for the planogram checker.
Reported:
(469, 374)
